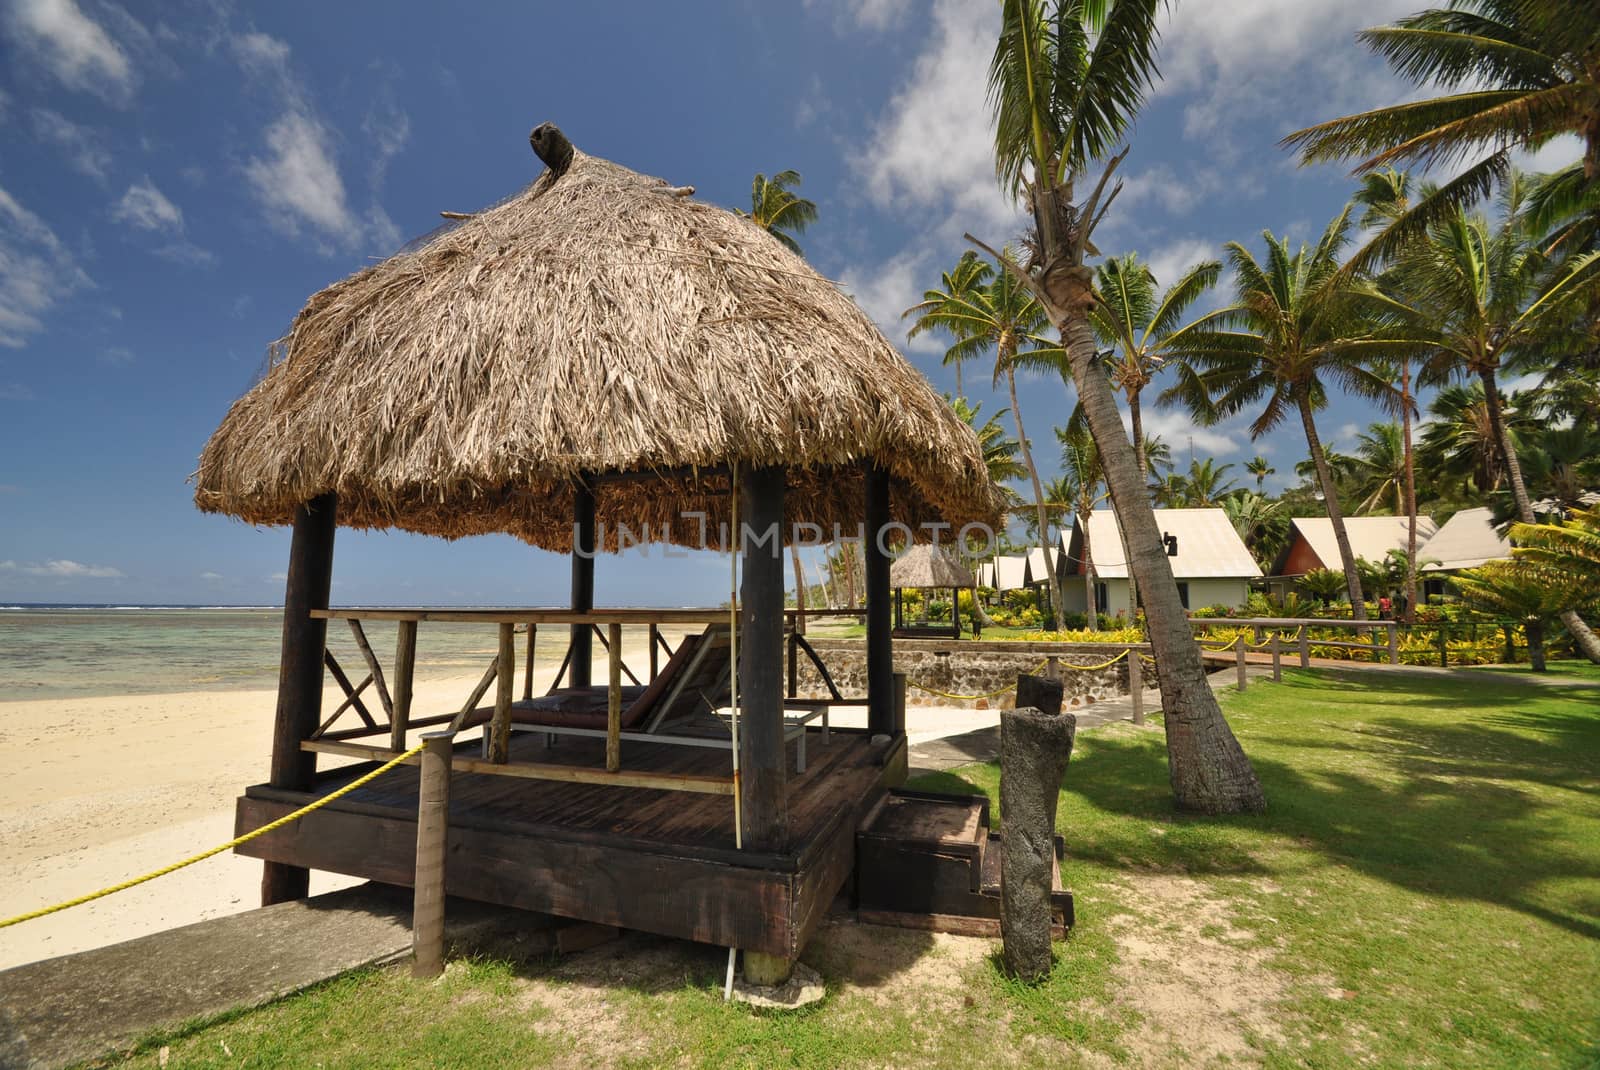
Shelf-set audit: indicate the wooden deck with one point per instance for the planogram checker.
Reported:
(658, 861)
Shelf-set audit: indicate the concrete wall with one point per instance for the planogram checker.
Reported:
(960, 668)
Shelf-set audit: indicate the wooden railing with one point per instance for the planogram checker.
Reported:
(501, 673)
(1300, 629)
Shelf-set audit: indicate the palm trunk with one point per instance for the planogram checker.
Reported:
(799, 588)
(959, 392)
(1588, 643)
(1038, 497)
(1330, 499)
(1410, 614)
(1136, 421)
(1535, 632)
(847, 561)
(1091, 610)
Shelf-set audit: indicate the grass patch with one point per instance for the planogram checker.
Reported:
(1425, 891)
(1559, 670)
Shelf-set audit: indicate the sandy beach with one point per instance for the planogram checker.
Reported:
(100, 789)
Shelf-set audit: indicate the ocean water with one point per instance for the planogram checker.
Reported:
(64, 652)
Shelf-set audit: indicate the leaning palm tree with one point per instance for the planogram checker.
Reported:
(971, 272)
(1516, 74)
(1296, 327)
(1139, 326)
(1001, 318)
(778, 210)
(1065, 83)
(1083, 486)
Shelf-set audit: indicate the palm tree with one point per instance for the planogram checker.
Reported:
(1380, 469)
(778, 210)
(1139, 327)
(1571, 548)
(1516, 74)
(1082, 483)
(1205, 487)
(1533, 597)
(1259, 467)
(1483, 296)
(1000, 316)
(999, 450)
(1295, 324)
(971, 273)
(1066, 81)
(1260, 521)
(1459, 443)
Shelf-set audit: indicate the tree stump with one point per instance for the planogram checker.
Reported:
(1034, 749)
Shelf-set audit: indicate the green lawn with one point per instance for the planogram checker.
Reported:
(1560, 670)
(1424, 892)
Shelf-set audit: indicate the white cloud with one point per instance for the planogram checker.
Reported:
(867, 14)
(1249, 61)
(1554, 156)
(298, 180)
(36, 271)
(116, 355)
(211, 577)
(74, 47)
(145, 207)
(932, 152)
(887, 290)
(83, 147)
(1169, 262)
(63, 569)
(1178, 430)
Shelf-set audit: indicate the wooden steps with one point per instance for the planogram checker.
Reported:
(930, 861)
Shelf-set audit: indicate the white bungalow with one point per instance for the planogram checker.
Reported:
(1466, 540)
(1211, 563)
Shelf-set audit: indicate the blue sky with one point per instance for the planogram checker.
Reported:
(176, 179)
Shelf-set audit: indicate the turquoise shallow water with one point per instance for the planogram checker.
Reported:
(60, 653)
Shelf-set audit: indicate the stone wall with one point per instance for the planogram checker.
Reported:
(962, 668)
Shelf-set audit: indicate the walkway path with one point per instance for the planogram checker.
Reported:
(67, 1010)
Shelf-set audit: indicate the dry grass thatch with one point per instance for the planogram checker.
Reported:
(929, 566)
(600, 321)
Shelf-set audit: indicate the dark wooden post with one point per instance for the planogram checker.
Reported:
(433, 830)
(300, 673)
(405, 671)
(880, 643)
(583, 549)
(763, 792)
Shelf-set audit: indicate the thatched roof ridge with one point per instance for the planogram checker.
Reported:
(600, 321)
(929, 565)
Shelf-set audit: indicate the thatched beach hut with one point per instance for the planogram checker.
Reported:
(598, 360)
(929, 567)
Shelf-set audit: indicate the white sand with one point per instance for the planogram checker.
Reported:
(97, 790)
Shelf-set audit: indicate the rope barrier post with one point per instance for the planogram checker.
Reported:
(433, 822)
(1277, 659)
(1238, 647)
(1052, 667)
(1305, 648)
(1136, 685)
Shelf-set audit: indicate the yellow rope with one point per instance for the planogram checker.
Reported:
(1012, 687)
(203, 855)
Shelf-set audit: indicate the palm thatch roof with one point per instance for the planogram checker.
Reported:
(928, 565)
(598, 322)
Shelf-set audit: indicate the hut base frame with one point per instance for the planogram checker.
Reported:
(658, 861)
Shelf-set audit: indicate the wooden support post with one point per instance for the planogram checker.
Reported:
(373, 667)
(1277, 659)
(527, 665)
(763, 789)
(1305, 647)
(1136, 685)
(300, 673)
(428, 883)
(505, 681)
(405, 669)
(1238, 659)
(614, 698)
(880, 641)
(900, 684)
(1394, 644)
(793, 643)
(583, 551)
(1052, 667)
(653, 641)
